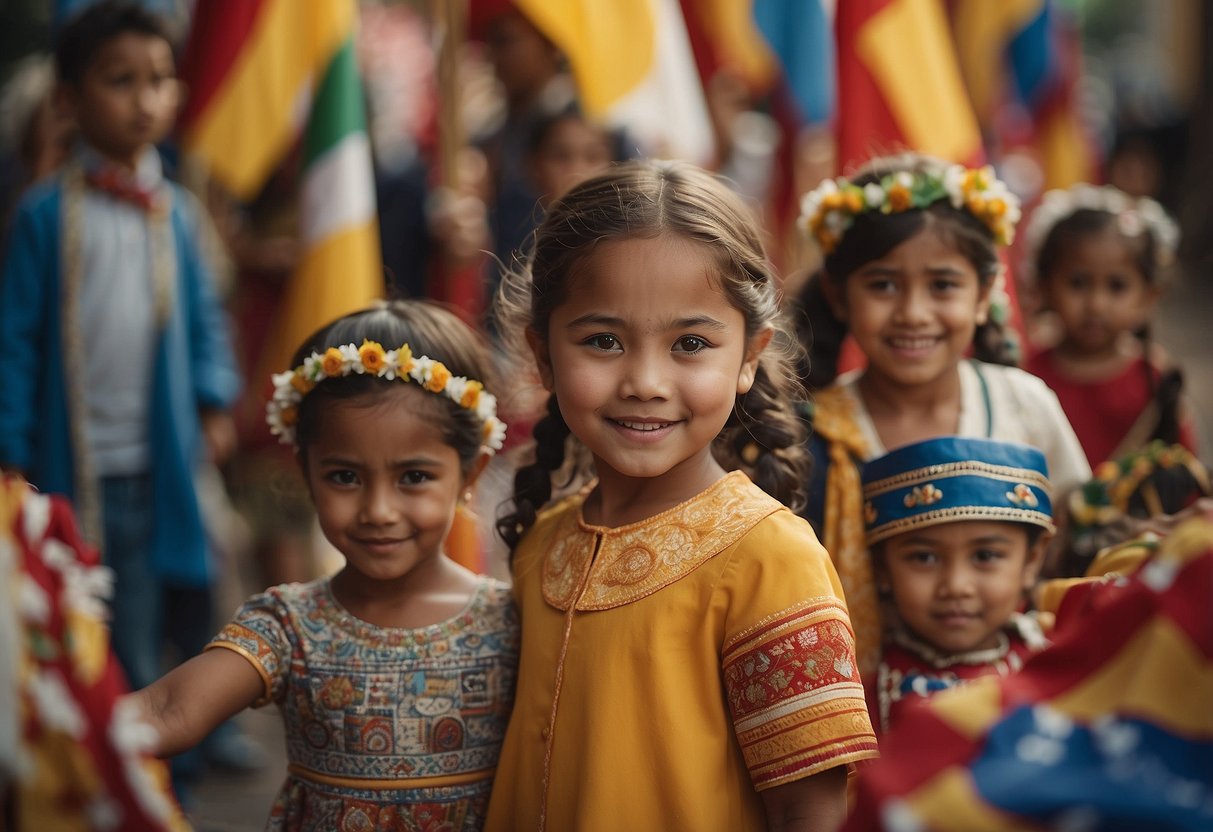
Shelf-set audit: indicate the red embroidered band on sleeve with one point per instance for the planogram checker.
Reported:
(795, 693)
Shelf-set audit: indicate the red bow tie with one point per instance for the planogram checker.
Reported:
(120, 186)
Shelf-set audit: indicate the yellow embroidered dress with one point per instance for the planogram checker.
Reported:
(386, 728)
(673, 668)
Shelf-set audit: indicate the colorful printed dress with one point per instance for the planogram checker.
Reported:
(911, 670)
(674, 668)
(386, 728)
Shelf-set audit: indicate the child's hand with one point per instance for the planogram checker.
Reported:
(219, 433)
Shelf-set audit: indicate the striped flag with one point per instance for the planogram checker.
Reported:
(1023, 58)
(260, 71)
(899, 87)
(634, 68)
(1108, 729)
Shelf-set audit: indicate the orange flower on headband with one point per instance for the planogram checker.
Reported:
(439, 376)
(471, 394)
(372, 356)
(332, 362)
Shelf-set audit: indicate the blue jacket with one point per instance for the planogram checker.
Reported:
(194, 367)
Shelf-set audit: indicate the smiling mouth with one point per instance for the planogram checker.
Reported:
(643, 427)
(956, 617)
(912, 344)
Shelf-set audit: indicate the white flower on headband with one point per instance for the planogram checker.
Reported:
(829, 210)
(290, 387)
(1134, 216)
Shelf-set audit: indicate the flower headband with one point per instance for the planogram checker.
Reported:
(830, 209)
(1134, 216)
(371, 359)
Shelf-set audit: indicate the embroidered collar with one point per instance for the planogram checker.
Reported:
(597, 568)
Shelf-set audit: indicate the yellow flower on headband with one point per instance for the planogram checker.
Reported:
(290, 387)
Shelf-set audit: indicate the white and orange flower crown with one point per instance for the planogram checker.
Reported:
(372, 359)
(1134, 216)
(830, 209)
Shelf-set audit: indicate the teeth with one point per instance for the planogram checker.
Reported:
(912, 343)
(645, 426)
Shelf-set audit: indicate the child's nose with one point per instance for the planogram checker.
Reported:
(955, 581)
(379, 506)
(913, 307)
(645, 377)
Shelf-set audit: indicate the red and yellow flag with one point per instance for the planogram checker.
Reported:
(260, 71)
(634, 68)
(899, 87)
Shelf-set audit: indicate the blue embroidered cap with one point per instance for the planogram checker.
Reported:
(955, 478)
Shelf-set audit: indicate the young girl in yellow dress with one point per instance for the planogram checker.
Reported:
(394, 676)
(687, 659)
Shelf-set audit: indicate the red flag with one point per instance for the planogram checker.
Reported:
(899, 86)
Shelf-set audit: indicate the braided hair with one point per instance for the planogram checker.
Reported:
(644, 199)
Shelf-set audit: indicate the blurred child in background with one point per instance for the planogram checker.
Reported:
(1098, 256)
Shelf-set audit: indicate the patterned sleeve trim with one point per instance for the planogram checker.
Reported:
(795, 693)
(260, 654)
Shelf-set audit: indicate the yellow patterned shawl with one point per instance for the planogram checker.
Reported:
(842, 526)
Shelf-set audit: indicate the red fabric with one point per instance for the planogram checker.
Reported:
(866, 127)
(83, 765)
(1102, 412)
(121, 186)
(218, 33)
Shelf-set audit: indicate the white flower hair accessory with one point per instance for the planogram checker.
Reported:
(830, 209)
(372, 359)
(1134, 216)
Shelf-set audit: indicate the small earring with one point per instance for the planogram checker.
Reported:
(467, 496)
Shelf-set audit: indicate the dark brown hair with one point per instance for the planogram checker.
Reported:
(646, 199)
(873, 235)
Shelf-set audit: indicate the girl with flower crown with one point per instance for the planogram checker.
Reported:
(395, 675)
(1097, 255)
(911, 270)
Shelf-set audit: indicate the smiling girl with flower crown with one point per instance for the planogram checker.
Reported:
(394, 676)
(911, 270)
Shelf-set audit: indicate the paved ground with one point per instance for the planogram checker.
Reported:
(233, 803)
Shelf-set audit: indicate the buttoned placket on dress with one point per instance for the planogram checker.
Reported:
(548, 733)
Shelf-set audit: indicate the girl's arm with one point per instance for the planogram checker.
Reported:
(812, 804)
(193, 699)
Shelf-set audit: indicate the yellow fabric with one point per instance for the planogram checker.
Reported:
(843, 526)
(337, 275)
(253, 117)
(982, 32)
(947, 126)
(628, 714)
(611, 46)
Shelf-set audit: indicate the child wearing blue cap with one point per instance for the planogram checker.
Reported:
(957, 529)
